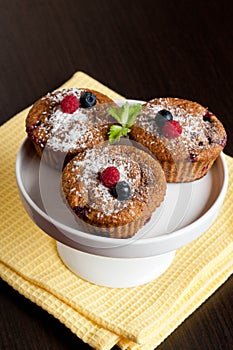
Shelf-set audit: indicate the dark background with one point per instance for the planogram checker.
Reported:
(140, 49)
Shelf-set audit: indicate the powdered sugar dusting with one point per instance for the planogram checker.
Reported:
(58, 95)
(66, 132)
(195, 131)
(67, 129)
(100, 197)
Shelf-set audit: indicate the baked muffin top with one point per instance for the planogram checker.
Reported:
(73, 127)
(198, 129)
(93, 198)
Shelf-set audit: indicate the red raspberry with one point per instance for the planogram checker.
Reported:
(110, 176)
(172, 129)
(69, 104)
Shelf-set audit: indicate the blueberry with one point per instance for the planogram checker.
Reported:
(223, 141)
(162, 117)
(31, 127)
(40, 142)
(121, 191)
(87, 99)
(81, 212)
(207, 117)
(193, 157)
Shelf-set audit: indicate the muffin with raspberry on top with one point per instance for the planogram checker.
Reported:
(113, 189)
(184, 136)
(66, 122)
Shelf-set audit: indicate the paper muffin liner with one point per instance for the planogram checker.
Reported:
(189, 168)
(91, 214)
(186, 171)
(127, 230)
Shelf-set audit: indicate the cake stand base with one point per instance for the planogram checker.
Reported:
(114, 272)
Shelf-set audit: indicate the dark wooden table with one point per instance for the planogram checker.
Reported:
(140, 49)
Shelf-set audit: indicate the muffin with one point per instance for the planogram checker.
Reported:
(66, 122)
(113, 189)
(184, 136)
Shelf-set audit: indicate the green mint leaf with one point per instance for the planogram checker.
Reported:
(134, 110)
(125, 131)
(115, 133)
(120, 113)
(125, 116)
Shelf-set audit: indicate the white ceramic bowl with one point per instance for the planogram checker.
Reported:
(188, 210)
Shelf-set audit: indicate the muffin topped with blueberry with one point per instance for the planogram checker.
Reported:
(66, 122)
(184, 136)
(113, 189)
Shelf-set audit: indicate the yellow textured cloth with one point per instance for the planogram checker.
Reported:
(133, 318)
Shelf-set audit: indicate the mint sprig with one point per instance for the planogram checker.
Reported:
(125, 116)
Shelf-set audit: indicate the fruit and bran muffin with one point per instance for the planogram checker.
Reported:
(113, 190)
(183, 135)
(66, 122)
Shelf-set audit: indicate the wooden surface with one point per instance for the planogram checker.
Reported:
(141, 49)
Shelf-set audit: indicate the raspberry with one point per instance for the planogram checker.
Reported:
(110, 176)
(69, 104)
(172, 129)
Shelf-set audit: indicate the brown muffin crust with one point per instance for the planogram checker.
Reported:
(94, 203)
(191, 155)
(46, 125)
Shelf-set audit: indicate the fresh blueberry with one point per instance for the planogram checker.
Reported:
(192, 157)
(31, 127)
(207, 117)
(87, 99)
(40, 142)
(121, 191)
(81, 212)
(223, 141)
(162, 117)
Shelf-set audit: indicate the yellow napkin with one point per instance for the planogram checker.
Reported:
(133, 318)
